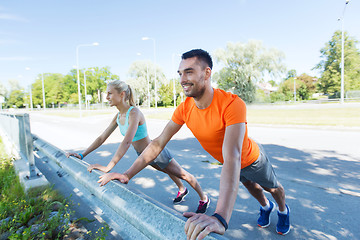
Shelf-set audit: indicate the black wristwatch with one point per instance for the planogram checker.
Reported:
(221, 219)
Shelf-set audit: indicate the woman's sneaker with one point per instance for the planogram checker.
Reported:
(203, 206)
(180, 196)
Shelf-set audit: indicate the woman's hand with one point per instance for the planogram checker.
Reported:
(73, 154)
(104, 179)
(97, 166)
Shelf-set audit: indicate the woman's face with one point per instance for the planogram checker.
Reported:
(113, 96)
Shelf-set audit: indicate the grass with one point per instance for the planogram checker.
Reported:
(18, 209)
(161, 115)
(321, 116)
(41, 213)
(31, 215)
(342, 117)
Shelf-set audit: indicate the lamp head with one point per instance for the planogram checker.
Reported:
(347, 1)
(95, 44)
(145, 38)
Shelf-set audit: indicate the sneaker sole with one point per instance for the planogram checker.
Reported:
(182, 200)
(283, 234)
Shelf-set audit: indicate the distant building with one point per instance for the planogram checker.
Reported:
(266, 87)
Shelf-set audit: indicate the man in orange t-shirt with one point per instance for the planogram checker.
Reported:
(208, 125)
(218, 120)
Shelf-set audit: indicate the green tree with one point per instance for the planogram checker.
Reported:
(277, 97)
(17, 96)
(310, 83)
(70, 88)
(291, 74)
(286, 89)
(14, 85)
(272, 83)
(3, 91)
(53, 86)
(244, 65)
(3, 95)
(330, 80)
(141, 77)
(166, 92)
(16, 99)
(96, 81)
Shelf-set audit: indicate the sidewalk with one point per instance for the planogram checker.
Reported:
(319, 170)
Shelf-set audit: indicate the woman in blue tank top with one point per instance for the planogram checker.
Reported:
(132, 126)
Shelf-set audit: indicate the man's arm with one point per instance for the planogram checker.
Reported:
(153, 149)
(230, 173)
(200, 225)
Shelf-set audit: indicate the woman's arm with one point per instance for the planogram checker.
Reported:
(147, 156)
(134, 120)
(152, 150)
(98, 141)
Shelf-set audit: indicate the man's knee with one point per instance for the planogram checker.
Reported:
(278, 189)
(251, 185)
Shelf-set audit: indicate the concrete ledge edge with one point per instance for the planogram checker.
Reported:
(150, 219)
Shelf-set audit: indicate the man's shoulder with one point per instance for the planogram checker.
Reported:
(187, 103)
(227, 98)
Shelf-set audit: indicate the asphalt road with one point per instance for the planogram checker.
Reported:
(319, 169)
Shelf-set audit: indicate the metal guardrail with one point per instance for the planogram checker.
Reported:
(150, 219)
(16, 129)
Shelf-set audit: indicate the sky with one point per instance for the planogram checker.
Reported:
(42, 36)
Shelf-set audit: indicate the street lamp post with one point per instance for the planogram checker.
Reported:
(86, 100)
(43, 90)
(148, 82)
(294, 89)
(174, 90)
(147, 38)
(77, 68)
(342, 54)
(31, 102)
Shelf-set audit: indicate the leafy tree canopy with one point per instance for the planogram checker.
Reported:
(142, 77)
(3, 90)
(244, 65)
(330, 65)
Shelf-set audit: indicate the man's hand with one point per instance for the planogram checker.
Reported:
(104, 179)
(198, 226)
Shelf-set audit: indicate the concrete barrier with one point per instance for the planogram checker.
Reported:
(153, 221)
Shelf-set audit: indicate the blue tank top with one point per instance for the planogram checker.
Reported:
(141, 131)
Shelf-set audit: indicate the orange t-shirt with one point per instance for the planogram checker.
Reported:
(208, 125)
